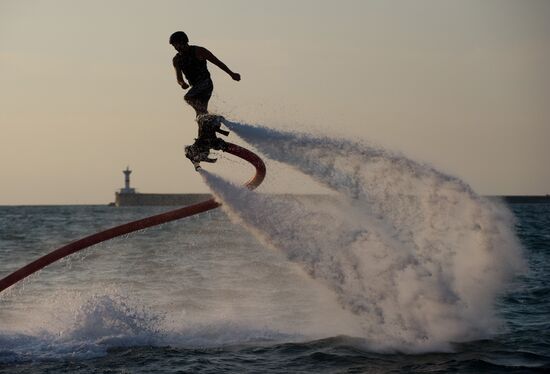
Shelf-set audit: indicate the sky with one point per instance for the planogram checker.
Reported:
(88, 87)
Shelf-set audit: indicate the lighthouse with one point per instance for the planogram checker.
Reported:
(127, 188)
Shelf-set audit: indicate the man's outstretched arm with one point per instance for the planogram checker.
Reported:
(209, 56)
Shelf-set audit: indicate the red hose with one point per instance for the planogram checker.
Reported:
(129, 227)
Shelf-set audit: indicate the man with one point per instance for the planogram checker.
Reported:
(191, 61)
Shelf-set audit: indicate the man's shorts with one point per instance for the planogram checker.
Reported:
(201, 92)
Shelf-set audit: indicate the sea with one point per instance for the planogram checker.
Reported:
(403, 269)
(204, 295)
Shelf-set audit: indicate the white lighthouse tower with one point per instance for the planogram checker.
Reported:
(127, 188)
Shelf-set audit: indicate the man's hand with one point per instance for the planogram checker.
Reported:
(236, 76)
(183, 85)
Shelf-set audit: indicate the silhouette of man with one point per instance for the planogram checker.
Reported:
(190, 61)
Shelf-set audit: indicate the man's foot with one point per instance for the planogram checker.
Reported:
(209, 125)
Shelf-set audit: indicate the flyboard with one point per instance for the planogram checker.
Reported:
(197, 152)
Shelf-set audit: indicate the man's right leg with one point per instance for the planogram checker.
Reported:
(199, 96)
(200, 106)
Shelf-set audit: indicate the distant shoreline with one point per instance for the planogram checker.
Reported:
(145, 199)
(523, 199)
